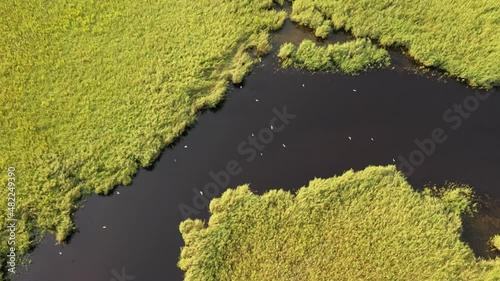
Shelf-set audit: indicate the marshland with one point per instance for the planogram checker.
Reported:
(94, 91)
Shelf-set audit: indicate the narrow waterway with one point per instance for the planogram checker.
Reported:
(341, 122)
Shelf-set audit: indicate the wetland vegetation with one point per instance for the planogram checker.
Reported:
(350, 57)
(366, 225)
(91, 91)
(459, 37)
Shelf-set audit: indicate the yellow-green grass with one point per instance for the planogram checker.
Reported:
(349, 57)
(461, 37)
(366, 225)
(495, 242)
(91, 90)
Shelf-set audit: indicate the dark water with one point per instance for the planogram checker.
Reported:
(393, 106)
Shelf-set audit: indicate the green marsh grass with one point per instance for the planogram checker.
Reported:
(461, 37)
(366, 225)
(495, 242)
(350, 57)
(92, 90)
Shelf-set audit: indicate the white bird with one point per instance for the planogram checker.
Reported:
(253, 135)
(272, 127)
(118, 192)
(393, 160)
(104, 226)
(175, 160)
(60, 253)
(350, 138)
(284, 145)
(372, 139)
(303, 85)
(257, 100)
(261, 154)
(241, 87)
(185, 146)
(201, 192)
(354, 90)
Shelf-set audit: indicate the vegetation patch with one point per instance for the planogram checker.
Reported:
(495, 242)
(350, 57)
(460, 37)
(93, 90)
(367, 225)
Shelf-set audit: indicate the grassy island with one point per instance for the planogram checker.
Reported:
(366, 225)
(350, 57)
